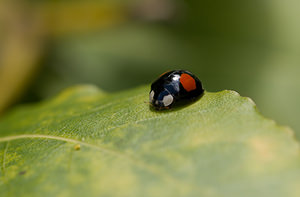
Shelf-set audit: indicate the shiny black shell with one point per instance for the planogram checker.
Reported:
(170, 83)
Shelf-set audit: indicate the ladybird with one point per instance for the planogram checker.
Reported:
(175, 87)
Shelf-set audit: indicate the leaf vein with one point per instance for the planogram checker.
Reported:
(153, 170)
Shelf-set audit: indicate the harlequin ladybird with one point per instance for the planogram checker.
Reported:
(174, 87)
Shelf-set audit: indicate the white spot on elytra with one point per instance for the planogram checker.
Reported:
(167, 100)
(151, 95)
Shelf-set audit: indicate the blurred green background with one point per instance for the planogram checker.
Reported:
(252, 47)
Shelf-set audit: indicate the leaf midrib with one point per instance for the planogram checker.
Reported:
(155, 171)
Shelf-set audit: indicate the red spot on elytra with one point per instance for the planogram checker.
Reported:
(188, 82)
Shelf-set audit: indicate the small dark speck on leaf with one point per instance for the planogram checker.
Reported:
(22, 172)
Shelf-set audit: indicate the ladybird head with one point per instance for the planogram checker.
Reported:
(161, 100)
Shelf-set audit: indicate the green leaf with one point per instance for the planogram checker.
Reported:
(88, 143)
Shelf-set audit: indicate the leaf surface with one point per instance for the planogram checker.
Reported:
(88, 143)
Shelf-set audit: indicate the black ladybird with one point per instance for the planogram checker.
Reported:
(174, 87)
